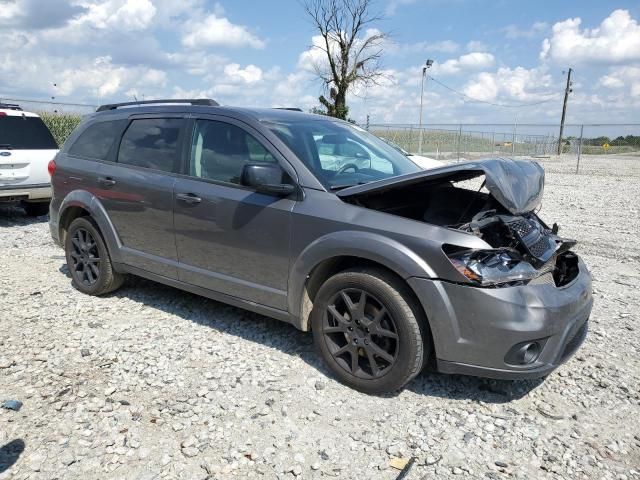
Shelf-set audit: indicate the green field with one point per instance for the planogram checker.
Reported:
(60, 124)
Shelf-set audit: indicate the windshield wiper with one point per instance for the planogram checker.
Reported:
(6, 146)
(340, 187)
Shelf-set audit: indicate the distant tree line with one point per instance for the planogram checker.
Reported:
(620, 140)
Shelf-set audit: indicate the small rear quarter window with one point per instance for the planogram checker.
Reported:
(96, 141)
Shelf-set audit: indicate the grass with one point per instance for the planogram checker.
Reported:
(60, 124)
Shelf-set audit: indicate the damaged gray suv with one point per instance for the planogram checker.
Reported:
(318, 223)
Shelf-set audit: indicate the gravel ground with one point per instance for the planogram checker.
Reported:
(151, 382)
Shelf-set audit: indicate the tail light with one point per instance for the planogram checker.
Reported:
(51, 167)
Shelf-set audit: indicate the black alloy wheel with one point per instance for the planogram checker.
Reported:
(370, 329)
(88, 259)
(360, 333)
(85, 257)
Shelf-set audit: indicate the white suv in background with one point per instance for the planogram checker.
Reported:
(26, 148)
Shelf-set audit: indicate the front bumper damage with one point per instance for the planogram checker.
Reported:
(475, 329)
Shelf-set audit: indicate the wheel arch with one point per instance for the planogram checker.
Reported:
(336, 252)
(80, 203)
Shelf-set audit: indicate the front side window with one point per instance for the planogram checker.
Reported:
(219, 151)
(96, 141)
(20, 132)
(151, 143)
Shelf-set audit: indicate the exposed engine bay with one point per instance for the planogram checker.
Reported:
(524, 245)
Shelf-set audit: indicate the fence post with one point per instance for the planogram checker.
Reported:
(409, 145)
(579, 148)
(459, 140)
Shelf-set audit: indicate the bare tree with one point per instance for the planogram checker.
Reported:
(351, 47)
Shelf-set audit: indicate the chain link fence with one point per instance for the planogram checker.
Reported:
(607, 149)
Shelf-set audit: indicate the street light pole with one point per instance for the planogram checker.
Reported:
(424, 74)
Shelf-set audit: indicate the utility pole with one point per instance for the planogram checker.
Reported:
(424, 74)
(567, 91)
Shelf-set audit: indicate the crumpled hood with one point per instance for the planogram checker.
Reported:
(517, 184)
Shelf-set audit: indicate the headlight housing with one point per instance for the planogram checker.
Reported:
(492, 267)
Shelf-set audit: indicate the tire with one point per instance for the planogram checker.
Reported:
(36, 209)
(377, 347)
(88, 260)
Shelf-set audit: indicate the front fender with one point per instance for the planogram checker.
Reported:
(371, 246)
(90, 203)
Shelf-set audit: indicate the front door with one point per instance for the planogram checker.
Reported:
(137, 192)
(231, 239)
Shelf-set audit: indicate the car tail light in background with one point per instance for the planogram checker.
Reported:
(3, 114)
(51, 167)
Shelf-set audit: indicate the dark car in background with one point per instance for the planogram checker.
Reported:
(316, 222)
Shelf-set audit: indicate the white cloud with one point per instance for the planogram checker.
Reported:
(315, 55)
(103, 79)
(517, 84)
(469, 61)
(622, 77)
(220, 32)
(250, 74)
(616, 40)
(514, 32)
(129, 15)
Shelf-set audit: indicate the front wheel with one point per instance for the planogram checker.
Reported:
(369, 330)
(88, 259)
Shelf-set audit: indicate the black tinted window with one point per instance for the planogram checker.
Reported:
(219, 151)
(151, 143)
(25, 133)
(97, 140)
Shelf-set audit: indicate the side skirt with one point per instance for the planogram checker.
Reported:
(204, 292)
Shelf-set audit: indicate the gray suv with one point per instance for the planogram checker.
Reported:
(318, 223)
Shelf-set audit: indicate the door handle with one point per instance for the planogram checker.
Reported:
(188, 198)
(106, 181)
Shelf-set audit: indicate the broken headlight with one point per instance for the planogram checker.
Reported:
(492, 267)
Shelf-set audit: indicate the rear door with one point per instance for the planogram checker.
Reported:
(26, 147)
(137, 191)
(230, 238)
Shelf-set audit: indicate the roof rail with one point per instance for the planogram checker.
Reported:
(190, 101)
(293, 109)
(10, 106)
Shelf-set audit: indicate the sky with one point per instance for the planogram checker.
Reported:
(494, 61)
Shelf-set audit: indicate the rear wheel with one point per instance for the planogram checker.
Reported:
(36, 209)
(88, 259)
(369, 330)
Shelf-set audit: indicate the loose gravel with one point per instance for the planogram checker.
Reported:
(151, 382)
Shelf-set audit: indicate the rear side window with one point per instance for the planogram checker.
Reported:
(25, 133)
(96, 141)
(151, 143)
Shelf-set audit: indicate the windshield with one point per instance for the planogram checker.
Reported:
(395, 145)
(25, 133)
(341, 154)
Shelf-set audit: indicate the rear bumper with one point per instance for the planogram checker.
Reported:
(474, 329)
(39, 192)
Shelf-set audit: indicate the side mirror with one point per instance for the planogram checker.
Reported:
(266, 178)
